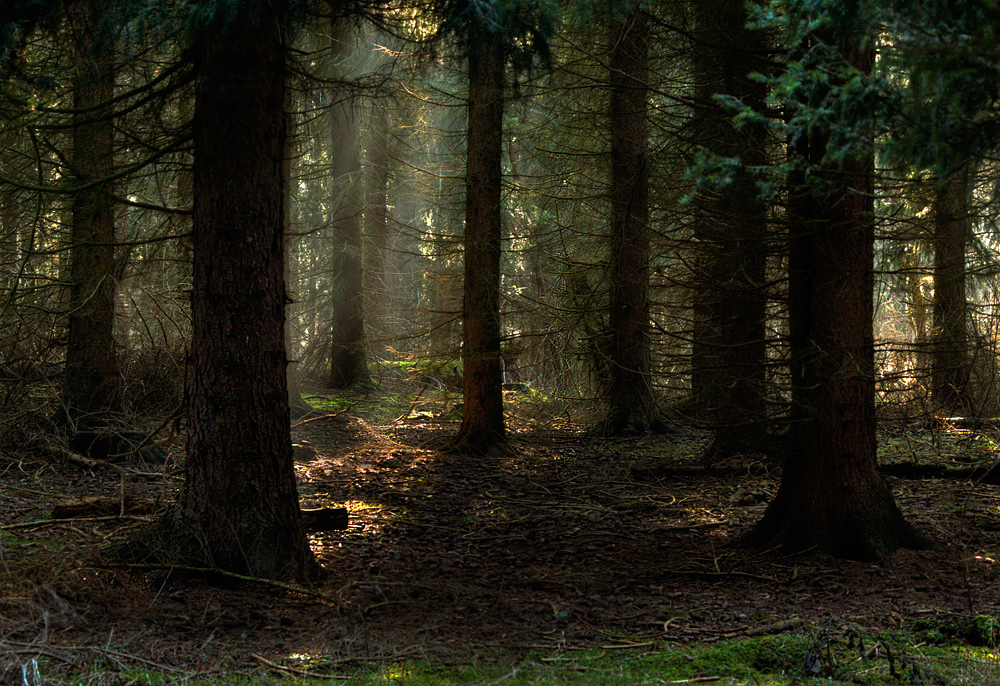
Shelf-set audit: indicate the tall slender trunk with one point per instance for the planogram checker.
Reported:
(92, 385)
(376, 217)
(951, 364)
(730, 228)
(630, 392)
(483, 429)
(297, 405)
(348, 363)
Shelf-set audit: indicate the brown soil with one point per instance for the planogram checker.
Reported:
(569, 543)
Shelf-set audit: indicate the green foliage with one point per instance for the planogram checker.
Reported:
(929, 100)
(18, 18)
(945, 68)
(520, 29)
(981, 631)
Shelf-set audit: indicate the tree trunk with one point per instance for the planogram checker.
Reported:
(297, 405)
(483, 429)
(950, 363)
(92, 384)
(832, 496)
(376, 210)
(348, 363)
(730, 227)
(630, 393)
(238, 508)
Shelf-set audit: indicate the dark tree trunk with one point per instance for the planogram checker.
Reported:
(483, 429)
(730, 226)
(348, 363)
(630, 394)
(238, 509)
(950, 363)
(92, 384)
(832, 496)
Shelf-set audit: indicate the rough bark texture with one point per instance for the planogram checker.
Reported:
(483, 429)
(730, 228)
(92, 382)
(348, 363)
(831, 495)
(238, 509)
(950, 361)
(630, 393)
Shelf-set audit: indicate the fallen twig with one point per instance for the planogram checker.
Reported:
(296, 670)
(325, 416)
(78, 520)
(242, 577)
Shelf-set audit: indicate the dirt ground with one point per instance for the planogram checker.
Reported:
(569, 543)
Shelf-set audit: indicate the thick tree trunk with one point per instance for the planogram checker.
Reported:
(92, 384)
(950, 363)
(238, 509)
(348, 363)
(730, 227)
(483, 429)
(832, 496)
(630, 394)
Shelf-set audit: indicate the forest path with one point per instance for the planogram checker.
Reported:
(575, 542)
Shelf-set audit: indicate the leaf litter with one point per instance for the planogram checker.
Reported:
(566, 544)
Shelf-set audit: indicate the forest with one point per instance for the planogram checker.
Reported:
(481, 341)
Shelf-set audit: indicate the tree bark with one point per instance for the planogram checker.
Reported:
(348, 363)
(92, 385)
(483, 430)
(950, 363)
(730, 228)
(238, 508)
(630, 393)
(832, 496)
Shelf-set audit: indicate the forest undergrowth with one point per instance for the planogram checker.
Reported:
(571, 552)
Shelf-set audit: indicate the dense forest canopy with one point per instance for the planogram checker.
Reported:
(774, 221)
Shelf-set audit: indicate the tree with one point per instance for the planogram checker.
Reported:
(950, 360)
(238, 508)
(832, 495)
(730, 232)
(91, 385)
(630, 392)
(348, 364)
(483, 429)
(491, 36)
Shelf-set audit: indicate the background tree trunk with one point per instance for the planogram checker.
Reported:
(348, 363)
(950, 363)
(483, 429)
(297, 405)
(92, 384)
(238, 509)
(730, 229)
(630, 392)
(376, 216)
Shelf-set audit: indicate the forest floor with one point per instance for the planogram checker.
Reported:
(569, 543)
